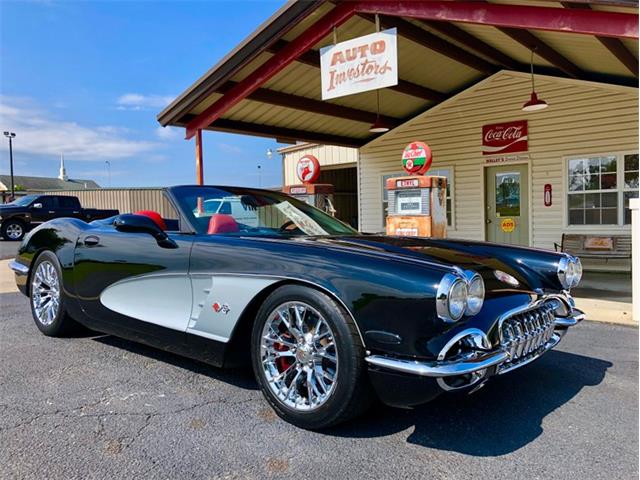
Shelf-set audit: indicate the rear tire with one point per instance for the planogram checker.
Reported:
(46, 298)
(13, 230)
(313, 374)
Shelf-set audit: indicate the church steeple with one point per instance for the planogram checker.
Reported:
(63, 173)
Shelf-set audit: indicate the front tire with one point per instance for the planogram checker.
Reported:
(308, 358)
(47, 302)
(13, 230)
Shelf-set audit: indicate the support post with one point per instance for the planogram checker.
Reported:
(634, 205)
(199, 166)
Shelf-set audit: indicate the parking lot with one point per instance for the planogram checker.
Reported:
(8, 249)
(100, 407)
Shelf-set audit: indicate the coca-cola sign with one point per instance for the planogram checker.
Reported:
(500, 138)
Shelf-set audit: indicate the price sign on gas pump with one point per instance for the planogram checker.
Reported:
(416, 158)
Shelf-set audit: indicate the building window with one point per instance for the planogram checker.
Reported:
(599, 189)
(442, 172)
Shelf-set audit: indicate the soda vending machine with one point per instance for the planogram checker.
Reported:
(417, 204)
(319, 195)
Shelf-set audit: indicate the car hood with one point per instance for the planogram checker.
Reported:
(10, 208)
(535, 269)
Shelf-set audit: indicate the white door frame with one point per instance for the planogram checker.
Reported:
(483, 172)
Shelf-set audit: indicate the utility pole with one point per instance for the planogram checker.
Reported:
(108, 171)
(11, 136)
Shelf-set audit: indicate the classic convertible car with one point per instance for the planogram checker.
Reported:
(329, 318)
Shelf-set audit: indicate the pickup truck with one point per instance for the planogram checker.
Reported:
(24, 213)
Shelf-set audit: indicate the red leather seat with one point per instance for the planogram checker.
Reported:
(221, 223)
(155, 216)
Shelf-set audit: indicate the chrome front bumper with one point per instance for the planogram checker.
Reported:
(476, 362)
(18, 268)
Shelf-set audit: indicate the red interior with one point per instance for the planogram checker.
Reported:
(155, 216)
(220, 223)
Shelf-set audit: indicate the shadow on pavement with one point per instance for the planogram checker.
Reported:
(502, 417)
(239, 377)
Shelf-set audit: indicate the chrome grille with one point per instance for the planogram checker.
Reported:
(525, 335)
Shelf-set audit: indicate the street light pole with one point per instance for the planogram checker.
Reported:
(108, 171)
(11, 136)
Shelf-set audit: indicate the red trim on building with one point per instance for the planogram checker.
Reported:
(590, 22)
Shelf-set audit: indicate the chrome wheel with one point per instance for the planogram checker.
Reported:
(14, 231)
(299, 356)
(45, 293)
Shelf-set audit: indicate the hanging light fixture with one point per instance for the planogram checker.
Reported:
(379, 126)
(534, 104)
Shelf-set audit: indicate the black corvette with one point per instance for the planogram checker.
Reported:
(329, 318)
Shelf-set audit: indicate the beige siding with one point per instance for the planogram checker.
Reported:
(329, 156)
(126, 200)
(583, 118)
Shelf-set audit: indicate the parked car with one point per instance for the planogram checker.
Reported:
(329, 318)
(19, 216)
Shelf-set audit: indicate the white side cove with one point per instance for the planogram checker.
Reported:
(203, 304)
(218, 302)
(164, 300)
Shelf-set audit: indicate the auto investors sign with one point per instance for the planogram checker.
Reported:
(358, 65)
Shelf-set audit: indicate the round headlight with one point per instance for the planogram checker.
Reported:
(578, 272)
(564, 275)
(451, 298)
(458, 299)
(476, 295)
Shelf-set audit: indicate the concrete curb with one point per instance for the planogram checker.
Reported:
(7, 281)
(607, 311)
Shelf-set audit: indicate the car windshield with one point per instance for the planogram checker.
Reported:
(246, 211)
(23, 201)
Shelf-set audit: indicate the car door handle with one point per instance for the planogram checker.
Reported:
(91, 240)
(52, 211)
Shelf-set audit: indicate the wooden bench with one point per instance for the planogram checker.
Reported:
(596, 246)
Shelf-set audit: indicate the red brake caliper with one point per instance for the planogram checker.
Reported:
(283, 363)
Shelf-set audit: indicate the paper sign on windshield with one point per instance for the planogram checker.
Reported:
(301, 219)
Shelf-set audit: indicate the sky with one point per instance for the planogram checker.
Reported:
(86, 79)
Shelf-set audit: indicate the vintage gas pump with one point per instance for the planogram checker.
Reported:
(320, 195)
(417, 203)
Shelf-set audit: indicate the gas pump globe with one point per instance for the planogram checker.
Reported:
(319, 195)
(417, 203)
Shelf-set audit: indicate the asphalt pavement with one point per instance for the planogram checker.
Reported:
(101, 407)
(8, 249)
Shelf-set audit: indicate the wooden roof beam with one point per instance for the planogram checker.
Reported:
(270, 131)
(312, 59)
(428, 40)
(474, 43)
(530, 41)
(281, 99)
(614, 45)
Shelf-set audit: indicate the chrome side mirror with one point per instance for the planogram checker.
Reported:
(36, 205)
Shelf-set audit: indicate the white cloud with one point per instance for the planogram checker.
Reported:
(229, 148)
(168, 133)
(39, 133)
(138, 101)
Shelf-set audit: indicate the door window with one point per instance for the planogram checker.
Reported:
(66, 202)
(508, 194)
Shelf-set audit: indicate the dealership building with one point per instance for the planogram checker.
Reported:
(547, 160)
